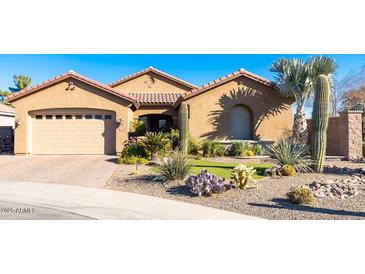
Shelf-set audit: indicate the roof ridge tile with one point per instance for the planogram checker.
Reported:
(223, 79)
(151, 69)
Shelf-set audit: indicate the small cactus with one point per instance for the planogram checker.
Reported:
(320, 116)
(241, 175)
(301, 195)
(184, 128)
(288, 170)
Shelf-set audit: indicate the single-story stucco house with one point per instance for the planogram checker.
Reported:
(72, 114)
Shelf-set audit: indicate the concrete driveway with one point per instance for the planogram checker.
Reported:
(83, 170)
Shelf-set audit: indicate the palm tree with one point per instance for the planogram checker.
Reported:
(293, 78)
(296, 80)
(321, 65)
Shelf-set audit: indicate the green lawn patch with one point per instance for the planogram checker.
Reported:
(222, 170)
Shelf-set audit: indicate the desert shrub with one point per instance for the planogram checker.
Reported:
(138, 127)
(287, 152)
(194, 146)
(206, 184)
(288, 170)
(176, 167)
(132, 160)
(258, 150)
(174, 137)
(133, 148)
(301, 195)
(212, 148)
(155, 143)
(238, 148)
(241, 174)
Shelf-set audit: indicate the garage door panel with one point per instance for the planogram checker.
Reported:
(65, 133)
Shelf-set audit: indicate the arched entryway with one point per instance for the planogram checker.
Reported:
(157, 122)
(240, 123)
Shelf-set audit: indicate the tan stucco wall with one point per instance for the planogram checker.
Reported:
(143, 83)
(56, 96)
(210, 111)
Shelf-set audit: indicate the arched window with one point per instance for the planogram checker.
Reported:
(240, 123)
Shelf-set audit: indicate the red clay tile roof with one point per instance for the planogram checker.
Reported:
(152, 69)
(69, 74)
(222, 80)
(155, 98)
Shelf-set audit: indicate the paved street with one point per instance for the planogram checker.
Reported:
(18, 211)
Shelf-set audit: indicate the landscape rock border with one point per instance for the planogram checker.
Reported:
(343, 170)
(338, 188)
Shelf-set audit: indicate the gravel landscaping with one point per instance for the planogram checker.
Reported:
(268, 201)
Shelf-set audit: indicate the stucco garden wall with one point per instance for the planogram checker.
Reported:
(271, 114)
(344, 135)
(55, 97)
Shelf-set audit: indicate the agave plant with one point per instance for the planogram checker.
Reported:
(154, 142)
(206, 184)
(288, 152)
(174, 168)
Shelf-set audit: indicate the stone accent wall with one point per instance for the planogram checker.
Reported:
(344, 135)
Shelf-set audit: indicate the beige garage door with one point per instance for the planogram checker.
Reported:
(73, 132)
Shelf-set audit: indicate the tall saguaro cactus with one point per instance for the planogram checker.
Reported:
(320, 116)
(184, 127)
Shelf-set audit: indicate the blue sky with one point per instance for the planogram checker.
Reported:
(197, 69)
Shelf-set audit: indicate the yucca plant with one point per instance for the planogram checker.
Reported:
(154, 142)
(176, 167)
(288, 152)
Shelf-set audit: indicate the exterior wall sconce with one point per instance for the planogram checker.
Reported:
(18, 122)
(120, 122)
